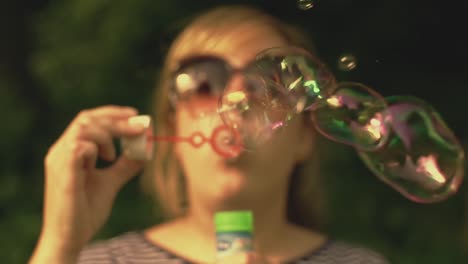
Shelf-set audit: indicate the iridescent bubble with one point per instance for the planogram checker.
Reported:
(347, 62)
(254, 112)
(422, 158)
(296, 74)
(353, 116)
(305, 4)
(284, 82)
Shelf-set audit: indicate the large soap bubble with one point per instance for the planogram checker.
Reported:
(422, 158)
(285, 82)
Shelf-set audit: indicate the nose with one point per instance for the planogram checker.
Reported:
(235, 83)
(235, 93)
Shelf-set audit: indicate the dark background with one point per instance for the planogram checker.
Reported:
(58, 57)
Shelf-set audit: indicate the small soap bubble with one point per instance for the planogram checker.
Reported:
(305, 4)
(347, 62)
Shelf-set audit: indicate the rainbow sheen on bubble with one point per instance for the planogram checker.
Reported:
(352, 116)
(422, 158)
(296, 74)
(254, 112)
(283, 83)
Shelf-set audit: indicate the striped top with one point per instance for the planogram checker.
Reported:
(133, 247)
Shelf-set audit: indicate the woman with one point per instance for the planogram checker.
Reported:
(276, 181)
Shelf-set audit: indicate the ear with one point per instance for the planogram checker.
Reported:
(305, 140)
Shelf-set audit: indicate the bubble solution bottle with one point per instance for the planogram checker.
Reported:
(234, 234)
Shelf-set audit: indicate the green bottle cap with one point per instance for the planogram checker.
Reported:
(232, 221)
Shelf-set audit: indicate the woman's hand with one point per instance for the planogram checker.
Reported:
(78, 196)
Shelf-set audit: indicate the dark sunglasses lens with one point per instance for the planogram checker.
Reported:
(202, 78)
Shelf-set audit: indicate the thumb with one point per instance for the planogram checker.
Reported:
(122, 171)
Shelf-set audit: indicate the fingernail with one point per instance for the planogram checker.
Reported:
(131, 109)
(141, 119)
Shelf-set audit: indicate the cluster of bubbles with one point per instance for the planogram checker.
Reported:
(402, 139)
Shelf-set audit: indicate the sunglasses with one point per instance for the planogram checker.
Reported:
(207, 77)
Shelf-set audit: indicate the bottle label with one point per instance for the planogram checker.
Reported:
(232, 243)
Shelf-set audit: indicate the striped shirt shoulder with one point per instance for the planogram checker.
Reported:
(339, 252)
(133, 247)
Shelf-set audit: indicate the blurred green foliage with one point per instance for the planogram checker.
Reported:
(93, 52)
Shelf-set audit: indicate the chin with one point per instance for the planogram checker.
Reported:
(223, 184)
(230, 185)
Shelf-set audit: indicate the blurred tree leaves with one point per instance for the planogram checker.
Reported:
(84, 54)
(93, 50)
(19, 223)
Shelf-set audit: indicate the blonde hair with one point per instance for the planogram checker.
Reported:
(163, 173)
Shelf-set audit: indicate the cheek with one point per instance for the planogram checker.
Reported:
(285, 145)
(196, 119)
(199, 105)
(201, 124)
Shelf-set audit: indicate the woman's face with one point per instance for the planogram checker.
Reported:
(265, 170)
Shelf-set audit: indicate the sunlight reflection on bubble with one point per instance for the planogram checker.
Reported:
(347, 62)
(305, 4)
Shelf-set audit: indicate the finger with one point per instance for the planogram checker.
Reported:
(121, 172)
(123, 128)
(107, 116)
(116, 126)
(103, 139)
(83, 154)
(101, 131)
(83, 157)
(110, 111)
(90, 130)
(104, 135)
